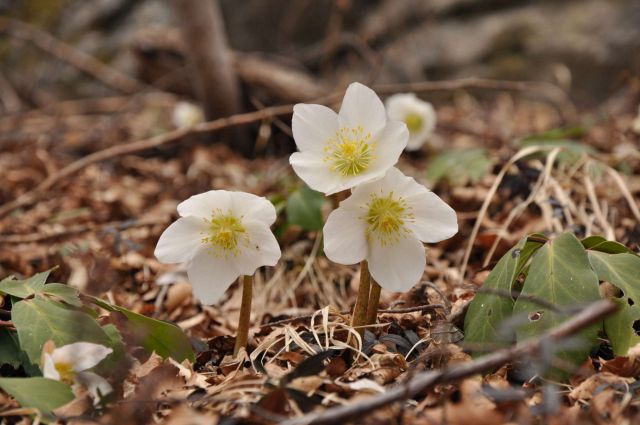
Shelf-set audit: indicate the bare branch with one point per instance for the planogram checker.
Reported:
(425, 380)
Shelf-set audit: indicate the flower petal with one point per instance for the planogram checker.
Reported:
(345, 240)
(361, 106)
(397, 266)
(49, 368)
(81, 355)
(210, 276)
(391, 142)
(315, 173)
(253, 207)
(95, 384)
(313, 126)
(263, 249)
(203, 204)
(435, 221)
(180, 241)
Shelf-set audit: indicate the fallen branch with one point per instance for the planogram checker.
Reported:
(33, 195)
(425, 380)
(80, 228)
(426, 307)
(67, 53)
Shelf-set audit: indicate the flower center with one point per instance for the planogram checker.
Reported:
(414, 122)
(350, 151)
(386, 218)
(67, 374)
(226, 234)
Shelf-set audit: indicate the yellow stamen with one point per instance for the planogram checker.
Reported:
(350, 152)
(67, 374)
(387, 217)
(414, 122)
(226, 234)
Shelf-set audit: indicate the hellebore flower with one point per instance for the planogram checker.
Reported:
(418, 115)
(385, 223)
(70, 364)
(221, 235)
(340, 151)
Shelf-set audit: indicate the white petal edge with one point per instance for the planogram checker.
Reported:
(49, 368)
(181, 240)
(344, 233)
(361, 106)
(315, 173)
(210, 276)
(435, 221)
(95, 384)
(313, 126)
(263, 249)
(397, 267)
(81, 355)
(391, 143)
(253, 207)
(203, 204)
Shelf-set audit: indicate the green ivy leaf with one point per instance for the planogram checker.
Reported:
(459, 166)
(304, 208)
(42, 394)
(24, 288)
(39, 319)
(560, 273)
(488, 311)
(598, 243)
(623, 271)
(166, 339)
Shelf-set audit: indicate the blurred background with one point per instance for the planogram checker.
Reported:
(588, 47)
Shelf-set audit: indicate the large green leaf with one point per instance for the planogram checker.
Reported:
(24, 288)
(488, 311)
(42, 394)
(623, 271)
(166, 339)
(459, 166)
(39, 319)
(304, 208)
(560, 273)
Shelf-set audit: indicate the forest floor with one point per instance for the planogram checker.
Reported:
(99, 225)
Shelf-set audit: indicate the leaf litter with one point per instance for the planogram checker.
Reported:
(85, 227)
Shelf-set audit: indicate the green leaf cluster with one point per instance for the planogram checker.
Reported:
(459, 166)
(304, 209)
(43, 311)
(539, 283)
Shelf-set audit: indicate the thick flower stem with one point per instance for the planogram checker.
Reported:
(374, 301)
(245, 315)
(360, 310)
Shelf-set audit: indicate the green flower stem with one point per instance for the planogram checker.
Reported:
(245, 314)
(360, 310)
(374, 301)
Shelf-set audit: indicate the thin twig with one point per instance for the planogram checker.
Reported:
(381, 311)
(67, 53)
(80, 228)
(153, 142)
(33, 195)
(425, 380)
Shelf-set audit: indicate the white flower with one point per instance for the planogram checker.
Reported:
(186, 114)
(385, 222)
(70, 364)
(418, 115)
(220, 235)
(340, 151)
